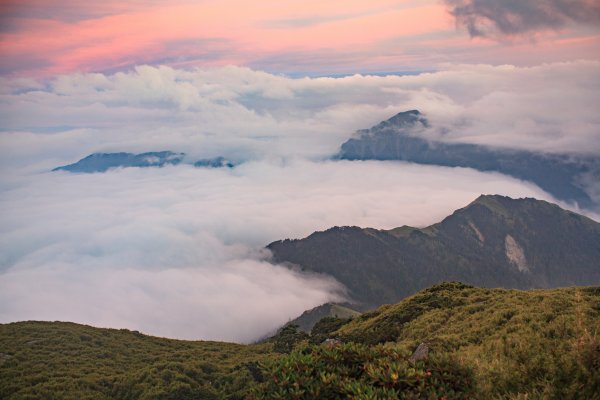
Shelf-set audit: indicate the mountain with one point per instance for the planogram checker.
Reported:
(101, 162)
(216, 162)
(562, 175)
(309, 318)
(495, 241)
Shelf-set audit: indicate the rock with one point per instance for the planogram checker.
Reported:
(421, 353)
(332, 342)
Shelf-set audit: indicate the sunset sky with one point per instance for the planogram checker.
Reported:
(47, 37)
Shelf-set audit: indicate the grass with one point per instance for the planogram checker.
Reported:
(484, 344)
(57, 360)
(543, 343)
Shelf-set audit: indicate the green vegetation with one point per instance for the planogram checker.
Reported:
(483, 344)
(357, 371)
(56, 360)
(543, 343)
(288, 338)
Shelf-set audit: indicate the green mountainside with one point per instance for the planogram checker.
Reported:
(482, 344)
(495, 241)
(60, 360)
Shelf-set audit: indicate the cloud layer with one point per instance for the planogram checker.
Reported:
(177, 251)
(241, 113)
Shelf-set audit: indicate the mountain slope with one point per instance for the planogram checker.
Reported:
(309, 318)
(454, 341)
(493, 242)
(507, 343)
(541, 342)
(562, 175)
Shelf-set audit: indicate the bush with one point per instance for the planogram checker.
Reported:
(356, 371)
(325, 327)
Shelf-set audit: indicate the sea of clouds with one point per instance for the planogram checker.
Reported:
(179, 251)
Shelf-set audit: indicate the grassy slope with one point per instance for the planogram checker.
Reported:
(540, 342)
(56, 360)
(543, 342)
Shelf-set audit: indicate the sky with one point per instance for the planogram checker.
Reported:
(48, 37)
(276, 87)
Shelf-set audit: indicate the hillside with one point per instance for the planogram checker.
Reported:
(59, 360)
(483, 344)
(399, 138)
(495, 241)
(309, 318)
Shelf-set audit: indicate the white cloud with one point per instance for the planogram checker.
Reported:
(176, 251)
(237, 112)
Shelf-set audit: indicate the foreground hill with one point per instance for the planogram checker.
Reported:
(562, 175)
(495, 241)
(59, 360)
(483, 343)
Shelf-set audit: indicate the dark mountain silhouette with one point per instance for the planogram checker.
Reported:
(562, 175)
(495, 241)
(102, 162)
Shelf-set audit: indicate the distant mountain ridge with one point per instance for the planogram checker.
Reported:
(307, 320)
(495, 241)
(102, 162)
(562, 175)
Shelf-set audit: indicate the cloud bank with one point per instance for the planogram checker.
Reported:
(177, 251)
(500, 17)
(240, 113)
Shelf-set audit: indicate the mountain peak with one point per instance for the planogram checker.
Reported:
(564, 176)
(404, 119)
(494, 241)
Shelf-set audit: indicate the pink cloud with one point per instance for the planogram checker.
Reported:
(42, 38)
